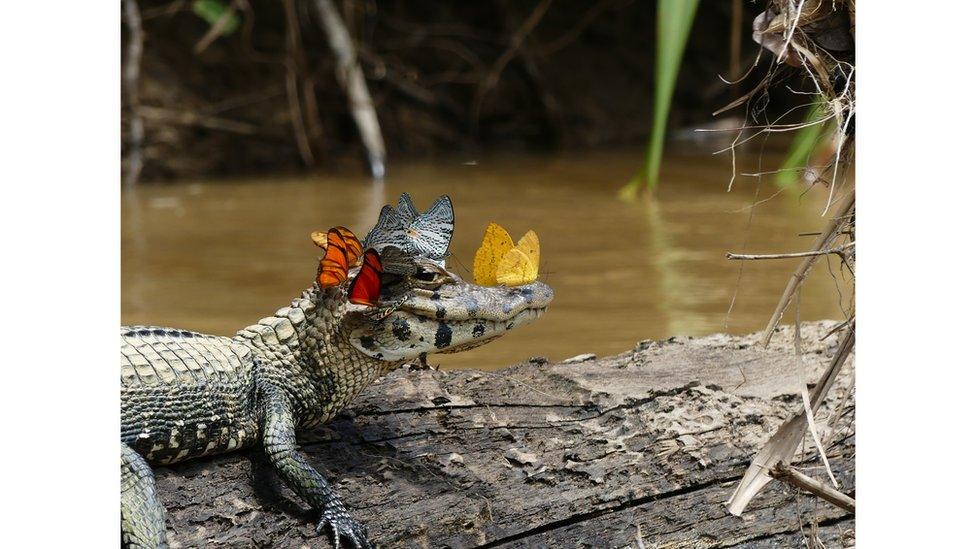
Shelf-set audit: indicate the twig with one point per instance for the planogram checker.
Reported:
(831, 426)
(839, 250)
(570, 36)
(829, 233)
(783, 444)
(350, 76)
(790, 475)
(131, 71)
(399, 78)
(531, 67)
(804, 393)
(186, 118)
(491, 80)
(837, 328)
(217, 28)
(735, 42)
(291, 84)
(789, 34)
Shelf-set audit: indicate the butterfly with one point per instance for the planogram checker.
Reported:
(342, 252)
(500, 261)
(397, 261)
(425, 234)
(365, 288)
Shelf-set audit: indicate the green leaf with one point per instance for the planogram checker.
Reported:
(804, 143)
(674, 19)
(212, 10)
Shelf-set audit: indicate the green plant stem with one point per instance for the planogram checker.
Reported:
(674, 20)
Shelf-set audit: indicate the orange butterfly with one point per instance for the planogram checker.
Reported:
(365, 289)
(342, 252)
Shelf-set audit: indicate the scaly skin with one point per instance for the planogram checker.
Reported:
(186, 395)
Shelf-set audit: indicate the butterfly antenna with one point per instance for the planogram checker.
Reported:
(460, 263)
(546, 274)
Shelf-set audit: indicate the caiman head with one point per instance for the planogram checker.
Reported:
(432, 310)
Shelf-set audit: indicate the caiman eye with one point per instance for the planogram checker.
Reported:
(429, 277)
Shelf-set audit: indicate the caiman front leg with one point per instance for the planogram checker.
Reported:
(278, 427)
(143, 525)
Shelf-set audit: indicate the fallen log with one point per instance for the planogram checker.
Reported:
(640, 449)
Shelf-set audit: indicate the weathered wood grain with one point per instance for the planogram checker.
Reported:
(584, 454)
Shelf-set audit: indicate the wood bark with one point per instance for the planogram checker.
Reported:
(636, 450)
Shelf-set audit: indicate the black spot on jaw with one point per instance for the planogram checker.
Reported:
(441, 311)
(401, 329)
(367, 342)
(435, 296)
(509, 326)
(478, 330)
(443, 336)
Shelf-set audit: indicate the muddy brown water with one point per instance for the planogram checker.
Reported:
(214, 256)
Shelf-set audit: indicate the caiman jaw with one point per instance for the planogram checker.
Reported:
(456, 316)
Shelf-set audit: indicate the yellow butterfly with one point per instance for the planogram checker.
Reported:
(501, 261)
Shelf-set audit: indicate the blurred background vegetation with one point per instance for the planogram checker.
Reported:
(235, 87)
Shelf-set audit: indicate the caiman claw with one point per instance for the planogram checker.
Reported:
(343, 526)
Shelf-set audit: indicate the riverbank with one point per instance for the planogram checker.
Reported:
(635, 449)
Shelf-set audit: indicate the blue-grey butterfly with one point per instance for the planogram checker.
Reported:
(425, 234)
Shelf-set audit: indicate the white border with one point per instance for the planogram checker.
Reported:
(915, 382)
(60, 222)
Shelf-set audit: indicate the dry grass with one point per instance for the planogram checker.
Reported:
(815, 37)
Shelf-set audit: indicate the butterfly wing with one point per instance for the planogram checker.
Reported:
(496, 243)
(365, 288)
(334, 265)
(320, 239)
(431, 232)
(397, 261)
(516, 269)
(529, 244)
(354, 248)
(390, 230)
(406, 209)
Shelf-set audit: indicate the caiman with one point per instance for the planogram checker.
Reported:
(187, 395)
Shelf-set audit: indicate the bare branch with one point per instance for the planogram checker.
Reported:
(783, 444)
(217, 28)
(133, 61)
(187, 118)
(491, 80)
(829, 233)
(791, 476)
(350, 76)
(839, 250)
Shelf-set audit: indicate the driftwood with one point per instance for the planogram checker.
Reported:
(640, 450)
(130, 77)
(352, 81)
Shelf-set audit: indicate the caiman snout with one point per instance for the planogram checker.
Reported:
(454, 317)
(465, 301)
